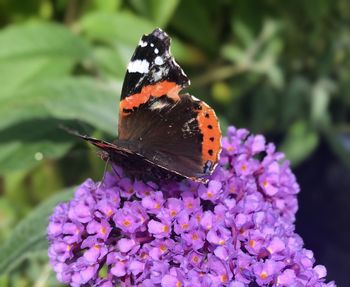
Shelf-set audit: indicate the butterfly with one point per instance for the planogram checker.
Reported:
(161, 133)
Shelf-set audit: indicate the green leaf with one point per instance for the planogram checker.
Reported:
(161, 11)
(113, 28)
(140, 6)
(28, 131)
(84, 99)
(300, 142)
(194, 21)
(110, 62)
(105, 5)
(30, 69)
(186, 54)
(275, 75)
(221, 93)
(69, 98)
(233, 53)
(36, 52)
(7, 217)
(29, 236)
(320, 98)
(24, 145)
(243, 33)
(37, 39)
(294, 101)
(4, 280)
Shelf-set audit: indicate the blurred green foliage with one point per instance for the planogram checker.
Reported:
(281, 68)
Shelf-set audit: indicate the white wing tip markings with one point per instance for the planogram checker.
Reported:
(158, 61)
(142, 43)
(138, 66)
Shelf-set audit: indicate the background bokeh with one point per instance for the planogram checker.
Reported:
(280, 68)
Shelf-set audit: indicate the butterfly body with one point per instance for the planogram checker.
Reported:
(162, 133)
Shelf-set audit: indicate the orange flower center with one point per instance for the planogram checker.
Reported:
(126, 223)
(163, 248)
(194, 236)
(223, 278)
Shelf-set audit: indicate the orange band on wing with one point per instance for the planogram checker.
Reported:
(159, 89)
(209, 126)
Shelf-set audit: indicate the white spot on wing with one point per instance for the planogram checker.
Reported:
(158, 105)
(152, 45)
(142, 43)
(156, 51)
(138, 66)
(195, 99)
(159, 74)
(158, 61)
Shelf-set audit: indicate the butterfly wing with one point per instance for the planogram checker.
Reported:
(174, 131)
(152, 63)
(145, 169)
(108, 148)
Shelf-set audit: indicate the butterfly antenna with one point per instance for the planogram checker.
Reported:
(69, 130)
(115, 171)
(104, 173)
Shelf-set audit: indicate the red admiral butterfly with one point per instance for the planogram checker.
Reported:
(162, 133)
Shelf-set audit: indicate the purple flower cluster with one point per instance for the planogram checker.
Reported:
(235, 231)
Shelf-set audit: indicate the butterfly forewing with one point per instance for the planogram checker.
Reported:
(152, 63)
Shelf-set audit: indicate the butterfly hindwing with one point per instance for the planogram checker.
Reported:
(172, 134)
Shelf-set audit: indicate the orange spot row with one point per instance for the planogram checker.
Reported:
(209, 126)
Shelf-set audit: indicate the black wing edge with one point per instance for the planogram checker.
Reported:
(104, 145)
